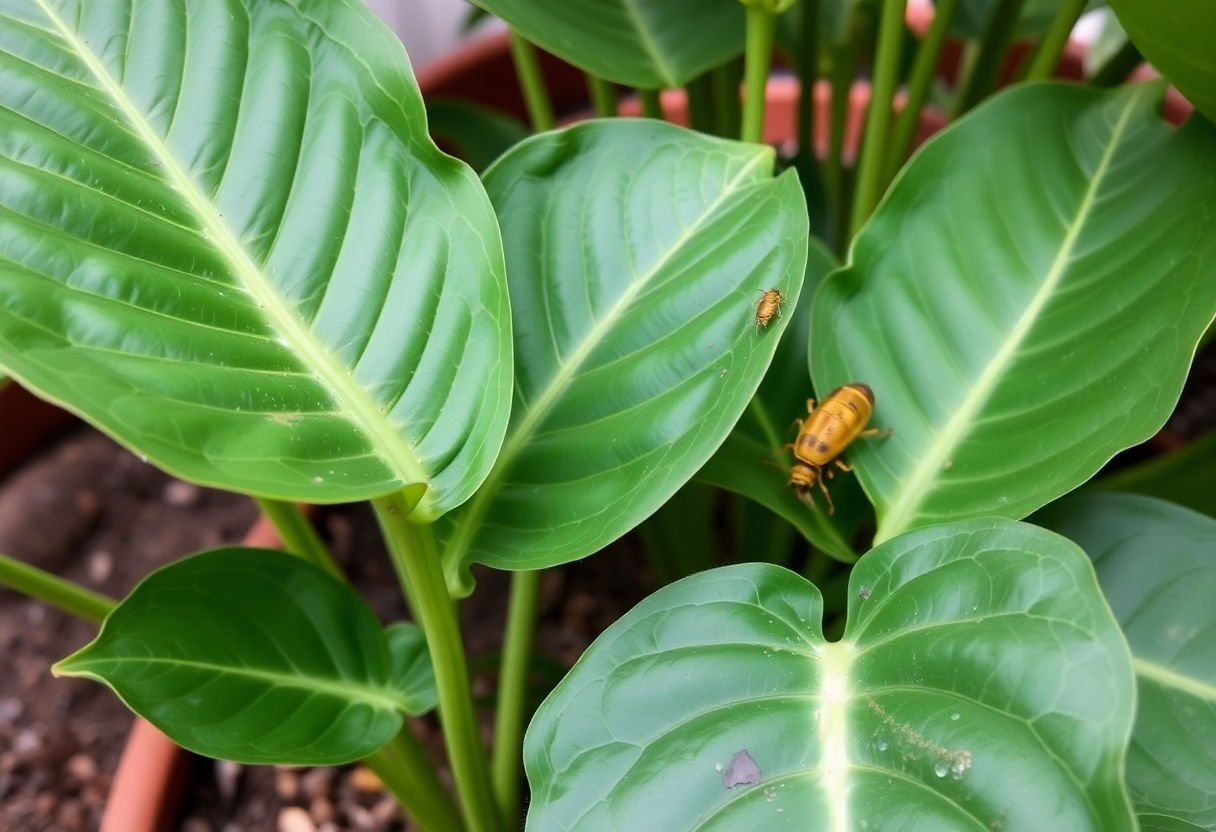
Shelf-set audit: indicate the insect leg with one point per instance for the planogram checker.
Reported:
(827, 496)
(884, 432)
(840, 463)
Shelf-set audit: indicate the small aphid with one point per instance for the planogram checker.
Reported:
(824, 436)
(769, 307)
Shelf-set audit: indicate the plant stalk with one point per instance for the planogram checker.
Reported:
(507, 762)
(726, 80)
(60, 593)
(415, 557)
(298, 534)
(1118, 66)
(843, 69)
(924, 70)
(808, 72)
(700, 92)
(652, 103)
(536, 96)
(758, 59)
(409, 773)
(984, 73)
(878, 118)
(1047, 53)
(603, 96)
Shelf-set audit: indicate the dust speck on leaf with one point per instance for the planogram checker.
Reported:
(864, 592)
(742, 771)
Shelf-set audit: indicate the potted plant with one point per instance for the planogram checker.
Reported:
(245, 259)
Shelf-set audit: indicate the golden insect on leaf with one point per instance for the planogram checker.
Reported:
(769, 307)
(825, 434)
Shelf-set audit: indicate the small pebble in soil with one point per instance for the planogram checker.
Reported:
(195, 825)
(181, 493)
(227, 779)
(286, 784)
(360, 818)
(365, 780)
(82, 767)
(317, 781)
(10, 710)
(385, 812)
(321, 810)
(100, 566)
(295, 819)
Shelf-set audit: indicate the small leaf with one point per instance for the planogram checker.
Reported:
(981, 684)
(254, 656)
(1157, 565)
(227, 241)
(1178, 40)
(411, 673)
(753, 460)
(637, 252)
(1025, 302)
(641, 43)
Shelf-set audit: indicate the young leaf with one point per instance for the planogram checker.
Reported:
(637, 252)
(255, 656)
(1157, 565)
(1179, 42)
(752, 461)
(981, 683)
(642, 43)
(1026, 301)
(227, 240)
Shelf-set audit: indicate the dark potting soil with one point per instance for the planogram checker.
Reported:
(93, 512)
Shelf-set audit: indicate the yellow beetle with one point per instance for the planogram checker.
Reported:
(769, 307)
(825, 434)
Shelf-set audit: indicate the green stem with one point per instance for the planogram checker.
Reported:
(415, 557)
(991, 57)
(513, 692)
(409, 773)
(536, 96)
(298, 534)
(603, 96)
(878, 118)
(1118, 66)
(924, 70)
(808, 72)
(652, 104)
(843, 70)
(726, 79)
(700, 92)
(60, 593)
(1047, 53)
(758, 59)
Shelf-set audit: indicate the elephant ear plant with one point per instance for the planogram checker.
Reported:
(228, 241)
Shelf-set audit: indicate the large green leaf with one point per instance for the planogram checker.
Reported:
(255, 656)
(1164, 823)
(1179, 38)
(642, 43)
(1157, 565)
(753, 462)
(227, 240)
(981, 684)
(636, 254)
(1025, 302)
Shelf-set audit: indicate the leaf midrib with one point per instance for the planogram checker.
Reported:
(518, 438)
(915, 488)
(350, 398)
(339, 689)
(648, 45)
(1168, 677)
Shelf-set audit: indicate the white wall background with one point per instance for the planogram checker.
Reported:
(428, 28)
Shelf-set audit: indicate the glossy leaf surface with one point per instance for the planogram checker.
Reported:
(254, 656)
(636, 253)
(1178, 38)
(753, 460)
(1025, 302)
(642, 43)
(410, 671)
(981, 680)
(1157, 565)
(227, 240)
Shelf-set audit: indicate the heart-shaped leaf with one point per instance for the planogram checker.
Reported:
(1178, 39)
(753, 460)
(227, 240)
(256, 656)
(1025, 302)
(981, 684)
(1157, 565)
(637, 252)
(642, 43)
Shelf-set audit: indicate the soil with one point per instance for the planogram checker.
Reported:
(93, 512)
